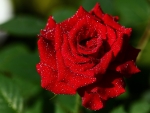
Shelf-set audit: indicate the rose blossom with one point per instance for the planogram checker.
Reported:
(88, 53)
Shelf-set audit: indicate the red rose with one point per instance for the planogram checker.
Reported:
(88, 53)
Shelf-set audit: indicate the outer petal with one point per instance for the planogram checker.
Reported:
(70, 22)
(97, 11)
(94, 95)
(131, 53)
(112, 36)
(101, 68)
(50, 24)
(49, 30)
(108, 20)
(48, 75)
(92, 101)
(128, 68)
(47, 52)
(49, 80)
(125, 63)
(113, 87)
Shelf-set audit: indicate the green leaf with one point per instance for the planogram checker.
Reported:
(119, 109)
(132, 12)
(10, 52)
(140, 106)
(23, 25)
(25, 85)
(10, 98)
(65, 103)
(63, 13)
(106, 5)
(144, 60)
(16, 61)
(36, 108)
(146, 96)
(59, 109)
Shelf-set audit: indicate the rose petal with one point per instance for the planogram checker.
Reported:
(97, 11)
(108, 20)
(50, 82)
(118, 44)
(95, 95)
(131, 53)
(67, 24)
(67, 53)
(47, 52)
(77, 64)
(49, 30)
(94, 51)
(125, 62)
(128, 68)
(104, 63)
(48, 75)
(92, 101)
(51, 23)
(113, 87)
(111, 34)
(83, 29)
(80, 81)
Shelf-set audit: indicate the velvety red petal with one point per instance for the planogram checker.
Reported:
(71, 79)
(49, 80)
(47, 52)
(113, 87)
(94, 95)
(131, 53)
(77, 64)
(108, 20)
(104, 63)
(65, 74)
(92, 101)
(67, 24)
(125, 63)
(78, 81)
(67, 53)
(48, 75)
(82, 30)
(49, 30)
(128, 68)
(97, 11)
(111, 34)
(50, 24)
(118, 44)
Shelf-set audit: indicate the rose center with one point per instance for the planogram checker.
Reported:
(89, 42)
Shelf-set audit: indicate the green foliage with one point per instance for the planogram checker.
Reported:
(133, 12)
(144, 55)
(23, 25)
(37, 108)
(140, 107)
(65, 104)
(104, 5)
(10, 99)
(63, 13)
(118, 109)
(16, 61)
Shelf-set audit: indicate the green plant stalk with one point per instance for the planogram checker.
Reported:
(143, 41)
(77, 105)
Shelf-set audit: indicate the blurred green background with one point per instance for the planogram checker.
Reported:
(20, 90)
